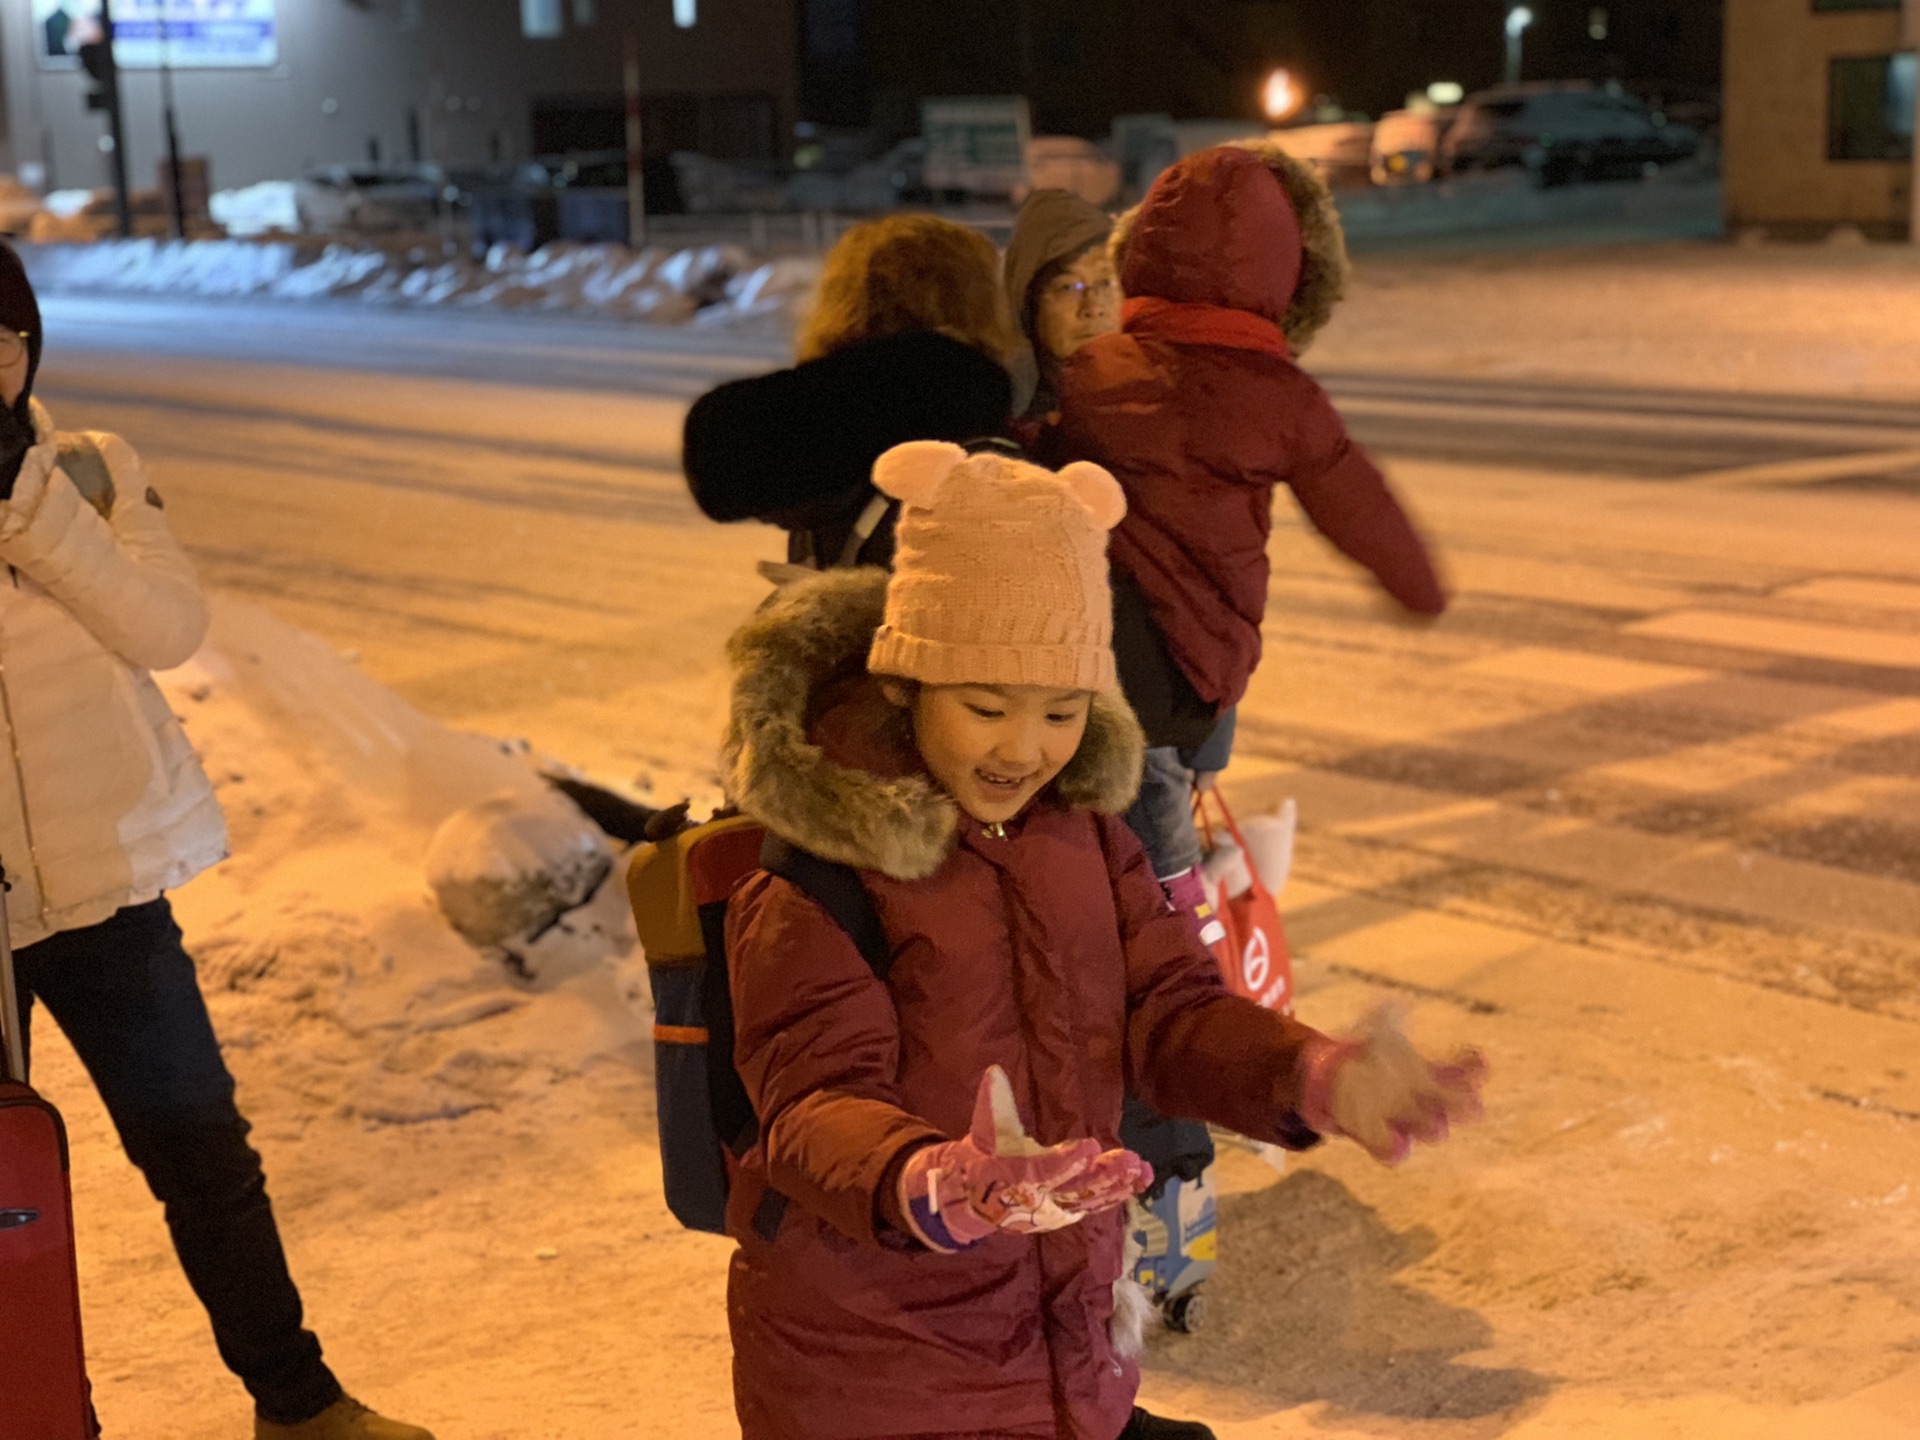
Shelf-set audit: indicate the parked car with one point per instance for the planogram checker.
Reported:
(580, 195)
(838, 183)
(366, 199)
(1406, 145)
(1562, 132)
(1066, 162)
(1341, 150)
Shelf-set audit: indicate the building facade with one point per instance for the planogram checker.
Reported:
(459, 82)
(1819, 116)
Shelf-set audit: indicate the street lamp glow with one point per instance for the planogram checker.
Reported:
(1280, 96)
(1518, 19)
(1446, 92)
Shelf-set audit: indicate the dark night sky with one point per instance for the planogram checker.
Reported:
(1083, 61)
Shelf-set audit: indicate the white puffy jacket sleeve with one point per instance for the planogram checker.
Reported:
(124, 577)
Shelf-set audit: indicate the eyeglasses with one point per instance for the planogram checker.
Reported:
(1083, 292)
(13, 344)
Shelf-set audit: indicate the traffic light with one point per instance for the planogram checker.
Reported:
(96, 58)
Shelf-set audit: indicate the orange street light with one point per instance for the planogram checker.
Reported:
(1280, 96)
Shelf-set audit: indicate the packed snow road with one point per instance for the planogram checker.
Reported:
(1627, 429)
(1638, 817)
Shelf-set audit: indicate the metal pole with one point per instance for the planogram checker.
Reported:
(116, 132)
(636, 148)
(173, 134)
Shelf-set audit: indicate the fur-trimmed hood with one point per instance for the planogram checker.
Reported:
(816, 757)
(1323, 267)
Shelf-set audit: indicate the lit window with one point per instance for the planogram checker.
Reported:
(540, 19)
(1870, 109)
(685, 13)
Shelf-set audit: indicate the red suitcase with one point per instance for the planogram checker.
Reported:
(43, 1369)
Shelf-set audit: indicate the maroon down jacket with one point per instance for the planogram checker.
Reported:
(1199, 410)
(1048, 950)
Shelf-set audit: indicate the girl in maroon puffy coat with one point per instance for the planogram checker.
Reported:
(948, 1260)
(1197, 406)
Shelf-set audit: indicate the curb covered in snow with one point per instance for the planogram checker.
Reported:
(711, 285)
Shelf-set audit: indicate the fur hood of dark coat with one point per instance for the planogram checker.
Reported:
(1324, 265)
(796, 448)
(863, 799)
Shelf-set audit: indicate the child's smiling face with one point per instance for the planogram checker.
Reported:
(994, 747)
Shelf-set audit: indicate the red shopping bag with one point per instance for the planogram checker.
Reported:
(1253, 955)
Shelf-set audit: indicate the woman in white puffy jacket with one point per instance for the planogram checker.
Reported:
(103, 808)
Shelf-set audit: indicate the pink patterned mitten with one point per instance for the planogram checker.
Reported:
(1375, 1088)
(957, 1193)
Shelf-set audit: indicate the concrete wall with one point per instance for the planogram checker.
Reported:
(1777, 171)
(353, 70)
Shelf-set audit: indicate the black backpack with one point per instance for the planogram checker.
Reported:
(680, 889)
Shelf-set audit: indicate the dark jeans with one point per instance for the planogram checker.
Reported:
(125, 994)
(1162, 815)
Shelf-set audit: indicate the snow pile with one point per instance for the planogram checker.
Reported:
(709, 285)
(507, 870)
(320, 944)
(256, 209)
(65, 204)
(171, 267)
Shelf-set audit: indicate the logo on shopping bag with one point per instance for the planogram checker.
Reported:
(1256, 965)
(14, 1219)
(1266, 982)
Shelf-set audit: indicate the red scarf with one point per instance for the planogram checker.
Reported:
(1151, 318)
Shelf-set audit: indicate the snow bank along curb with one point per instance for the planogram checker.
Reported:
(712, 285)
(322, 945)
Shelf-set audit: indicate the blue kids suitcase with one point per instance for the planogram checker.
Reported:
(1175, 1226)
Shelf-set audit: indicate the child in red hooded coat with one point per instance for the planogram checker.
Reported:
(1198, 408)
(941, 1140)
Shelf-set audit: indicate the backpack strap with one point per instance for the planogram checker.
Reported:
(877, 510)
(837, 890)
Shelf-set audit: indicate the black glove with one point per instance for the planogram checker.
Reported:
(16, 438)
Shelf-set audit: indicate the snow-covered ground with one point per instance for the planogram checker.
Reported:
(1637, 818)
(717, 286)
(1774, 319)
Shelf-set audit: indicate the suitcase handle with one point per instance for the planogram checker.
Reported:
(13, 1040)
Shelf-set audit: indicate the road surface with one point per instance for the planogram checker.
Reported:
(1641, 816)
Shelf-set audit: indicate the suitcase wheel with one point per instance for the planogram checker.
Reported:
(1186, 1313)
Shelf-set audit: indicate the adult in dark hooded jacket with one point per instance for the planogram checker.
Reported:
(1198, 407)
(908, 339)
(1062, 288)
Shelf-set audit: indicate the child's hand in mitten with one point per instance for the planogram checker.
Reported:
(957, 1193)
(1376, 1089)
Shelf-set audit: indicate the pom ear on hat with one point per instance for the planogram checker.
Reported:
(1098, 491)
(915, 471)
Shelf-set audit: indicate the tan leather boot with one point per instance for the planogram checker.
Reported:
(345, 1419)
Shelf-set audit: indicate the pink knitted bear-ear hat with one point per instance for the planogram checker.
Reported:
(1000, 570)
